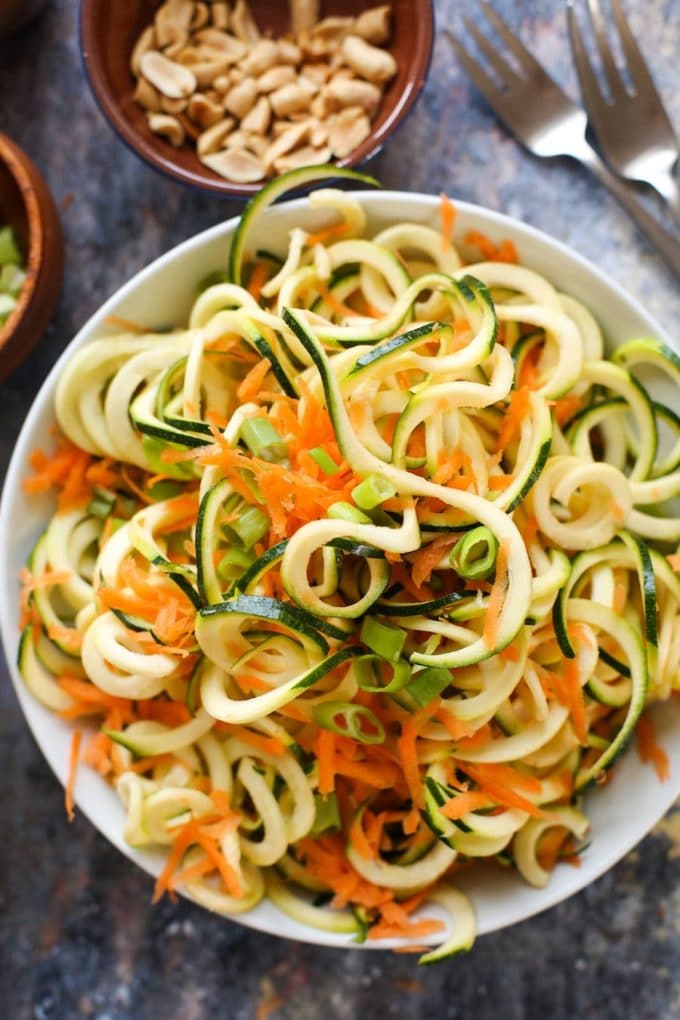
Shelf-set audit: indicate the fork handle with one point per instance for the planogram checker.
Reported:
(667, 186)
(663, 240)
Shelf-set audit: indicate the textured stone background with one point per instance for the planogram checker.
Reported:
(78, 937)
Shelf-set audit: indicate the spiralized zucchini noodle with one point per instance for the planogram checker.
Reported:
(367, 573)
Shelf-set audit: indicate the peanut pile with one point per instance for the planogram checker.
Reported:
(255, 106)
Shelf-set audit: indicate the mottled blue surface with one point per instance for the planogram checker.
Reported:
(78, 936)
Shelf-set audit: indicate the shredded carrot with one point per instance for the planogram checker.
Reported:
(252, 384)
(325, 753)
(399, 573)
(501, 783)
(127, 324)
(32, 582)
(258, 278)
(566, 407)
(528, 377)
(358, 840)
(426, 559)
(503, 252)
(511, 652)
(327, 234)
(507, 252)
(460, 805)
(574, 692)
(549, 846)
(332, 302)
(447, 216)
(269, 745)
(529, 530)
(497, 483)
(456, 727)
(620, 596)
(497, 597)
(487, 247)
(650, 750)
(674, 560)
(408, 755)
(410, 930)
(180, 845)
(515, 414)
(455, 470)
(74, 756)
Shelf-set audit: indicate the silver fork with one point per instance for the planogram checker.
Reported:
(548, 122)
(633, 129)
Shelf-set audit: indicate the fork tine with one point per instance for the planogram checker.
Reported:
(500, 65)
(527, 62)
(484, 83)
(590, 86)
(611, 71)
(637, 65)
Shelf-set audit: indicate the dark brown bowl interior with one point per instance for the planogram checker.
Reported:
(26, 205)
(109, 31)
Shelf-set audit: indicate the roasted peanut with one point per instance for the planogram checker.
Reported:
(368, 61)
(167, 127)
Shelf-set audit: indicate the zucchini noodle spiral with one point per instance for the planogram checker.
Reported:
(367, 572)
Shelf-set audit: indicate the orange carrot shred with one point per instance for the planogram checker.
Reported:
(650, 750)
(327, 234)
(497, 596)
(459, 806)
(447, 215)
(258, 278)
(249, 388)
(325, 753)
(74, 756)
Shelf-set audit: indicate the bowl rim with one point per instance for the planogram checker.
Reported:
(18, 163)
(669, 715)
(147, 151)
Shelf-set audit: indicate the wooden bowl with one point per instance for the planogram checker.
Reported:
(109, 31)
(26, 205)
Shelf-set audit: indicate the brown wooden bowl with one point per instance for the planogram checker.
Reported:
(108, 32)
(27, 206)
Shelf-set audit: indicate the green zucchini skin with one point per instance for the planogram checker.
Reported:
(290, 181)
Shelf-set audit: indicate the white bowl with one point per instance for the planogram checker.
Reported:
(162, 294)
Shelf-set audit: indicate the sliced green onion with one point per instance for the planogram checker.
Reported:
(474, 555)
(327, 818)
(233, 563)
(373, 491)
(350, 720)
(382, 639)
(376, 675)
(263, 440)
(250, 526)
(101, 504)
(9, 247)
(324, 460)
(12, 279)
(165, 488)
(428, 684)
(365, 919)
(153, 451)
(7, 306)
(347, 512)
